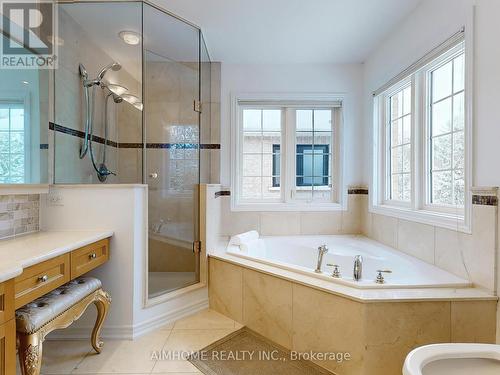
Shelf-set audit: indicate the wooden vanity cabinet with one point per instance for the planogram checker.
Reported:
(34, 282)
(7, 329)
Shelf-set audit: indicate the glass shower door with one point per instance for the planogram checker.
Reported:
(171, 170)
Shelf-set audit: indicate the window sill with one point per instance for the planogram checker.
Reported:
(443, 220)
(288, 207)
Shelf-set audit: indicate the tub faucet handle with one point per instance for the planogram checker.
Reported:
(380, 278)
(336, 270)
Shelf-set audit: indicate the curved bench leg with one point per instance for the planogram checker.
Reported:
(102, 301)
(30, 353)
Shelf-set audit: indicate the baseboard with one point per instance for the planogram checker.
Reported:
(130, 332)
(169, 317)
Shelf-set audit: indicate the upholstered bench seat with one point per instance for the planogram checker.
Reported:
(41, 311)
(55, 310)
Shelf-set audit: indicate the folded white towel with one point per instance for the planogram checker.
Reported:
(242, 238)
(257, 248)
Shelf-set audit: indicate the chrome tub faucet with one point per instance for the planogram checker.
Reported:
(322, 250)
(358, 267)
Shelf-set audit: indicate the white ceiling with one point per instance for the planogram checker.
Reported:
(292, 31)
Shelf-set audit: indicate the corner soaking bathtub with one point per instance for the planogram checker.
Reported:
(300, 253)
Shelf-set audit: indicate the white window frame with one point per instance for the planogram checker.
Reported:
(288, 103)
(386, 142)
(419, 209)
(424, 78)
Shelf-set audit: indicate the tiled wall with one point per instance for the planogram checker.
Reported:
(294, 223)
(19, 214)
(470, 256)
(124, 121)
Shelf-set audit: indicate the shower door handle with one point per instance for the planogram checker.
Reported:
(153, 175)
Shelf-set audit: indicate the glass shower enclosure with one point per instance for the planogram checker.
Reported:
(128, 97)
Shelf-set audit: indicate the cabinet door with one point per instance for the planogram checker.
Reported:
(8, 348)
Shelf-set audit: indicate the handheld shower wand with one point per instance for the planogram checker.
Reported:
(102, 170)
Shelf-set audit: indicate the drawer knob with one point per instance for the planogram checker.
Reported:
(92, 256)
(43, 278)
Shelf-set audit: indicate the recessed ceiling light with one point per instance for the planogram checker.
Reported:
(117, 89)
(130, 37)
(132, 99)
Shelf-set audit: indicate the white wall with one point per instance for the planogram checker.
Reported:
(296, 78)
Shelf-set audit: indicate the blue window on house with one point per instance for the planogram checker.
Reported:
(312, 165)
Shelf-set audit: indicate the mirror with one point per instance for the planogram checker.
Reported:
(24, 123)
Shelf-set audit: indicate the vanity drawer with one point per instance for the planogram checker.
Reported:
(41, 278)
(6, 301)
(89, 257)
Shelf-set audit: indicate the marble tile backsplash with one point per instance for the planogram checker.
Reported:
(19, 214)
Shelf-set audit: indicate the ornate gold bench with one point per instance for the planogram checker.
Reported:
(56, 310)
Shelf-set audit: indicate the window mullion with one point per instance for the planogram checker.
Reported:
(418, 135)
(289, 156)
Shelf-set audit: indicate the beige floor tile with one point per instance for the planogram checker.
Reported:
(125, 357)
(175, 367)
(194, 339)
(182, 342)
(61, 357)
(167, 327)
(206, 319)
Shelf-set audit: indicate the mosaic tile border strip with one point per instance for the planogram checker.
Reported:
(80, 134)
(485, 200)
(356, 191)
(97, 139)
(223, 193)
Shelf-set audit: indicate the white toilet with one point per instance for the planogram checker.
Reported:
(456, 359)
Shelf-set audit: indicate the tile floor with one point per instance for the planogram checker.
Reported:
(134, 357)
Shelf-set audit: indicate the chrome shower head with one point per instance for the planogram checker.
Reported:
(113, 66)
(117, 98)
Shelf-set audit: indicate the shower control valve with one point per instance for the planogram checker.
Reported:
(153, 175)
(336, 270)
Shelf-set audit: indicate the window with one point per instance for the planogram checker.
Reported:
(12, 143)
(304, 165)
(420, 163)
(446, 132)
(260, 178)
(286, 155)
(399, 145)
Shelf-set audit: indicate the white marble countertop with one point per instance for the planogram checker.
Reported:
(24, 251)
(360, 295)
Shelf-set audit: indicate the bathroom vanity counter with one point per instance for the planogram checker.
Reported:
(25, 251)
(35, 264)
